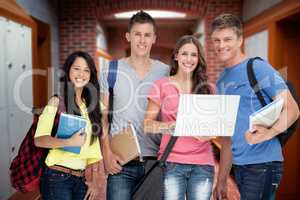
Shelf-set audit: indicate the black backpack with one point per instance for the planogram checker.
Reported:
(284, 136)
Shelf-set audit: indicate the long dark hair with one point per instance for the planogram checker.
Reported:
(90, 93)
(199, 77)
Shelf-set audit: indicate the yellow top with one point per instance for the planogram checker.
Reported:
(89, 153)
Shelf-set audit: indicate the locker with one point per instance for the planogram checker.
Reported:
(15, 58)
(2, 64)
(15, 81)
(26, 68)
(5, 188)
(18, 123)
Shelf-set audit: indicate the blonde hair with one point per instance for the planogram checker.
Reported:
(227, 21)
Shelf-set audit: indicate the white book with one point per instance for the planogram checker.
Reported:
(206, 115)
(267, 115)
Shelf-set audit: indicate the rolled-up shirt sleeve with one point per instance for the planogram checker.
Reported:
(268, 78)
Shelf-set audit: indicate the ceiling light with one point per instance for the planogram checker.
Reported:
(153, 13)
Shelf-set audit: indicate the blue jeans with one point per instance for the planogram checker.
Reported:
(121, 185)
(193, 181)
(56, 185)
(258, 181)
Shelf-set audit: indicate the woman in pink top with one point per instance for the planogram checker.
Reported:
(190, 166)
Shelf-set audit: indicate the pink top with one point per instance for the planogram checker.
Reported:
(187, 150)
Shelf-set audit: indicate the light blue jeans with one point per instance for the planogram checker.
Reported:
(188, 180)
(120, 186)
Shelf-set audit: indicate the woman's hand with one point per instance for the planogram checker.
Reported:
(204, 138)
(93, 181)
(93, 190)
(167, 127)
(77, 139)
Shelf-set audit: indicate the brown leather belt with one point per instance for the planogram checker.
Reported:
(138, 161)
(78, 173)
(145, 158)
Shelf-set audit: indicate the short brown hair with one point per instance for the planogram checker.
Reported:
(227, 21)
(141, 17)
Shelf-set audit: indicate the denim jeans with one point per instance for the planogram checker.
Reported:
(56, 185)
(258, 181)
(188, 180)
(120, 186)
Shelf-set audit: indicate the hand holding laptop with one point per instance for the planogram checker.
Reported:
(170, 129)
(204, 138)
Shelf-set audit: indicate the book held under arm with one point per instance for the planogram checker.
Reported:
(125, 144)
(267, 115)
(69, 125)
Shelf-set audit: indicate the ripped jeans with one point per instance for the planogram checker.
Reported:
(258, 181)
(188, 180)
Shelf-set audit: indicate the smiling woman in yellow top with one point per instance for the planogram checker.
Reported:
(63, 176)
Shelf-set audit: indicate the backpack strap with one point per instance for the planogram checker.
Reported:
(253, 81)
(61, 103)
(111, 80)
(168, 149)
(61, 108)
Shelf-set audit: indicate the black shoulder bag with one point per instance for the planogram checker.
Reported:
(152, 184)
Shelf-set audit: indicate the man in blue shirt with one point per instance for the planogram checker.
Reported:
(257, 155)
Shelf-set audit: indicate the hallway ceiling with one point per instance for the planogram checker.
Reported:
(194, 9)
(161, 23)
(168, 30)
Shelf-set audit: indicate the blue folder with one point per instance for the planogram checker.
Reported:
(69, 125)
